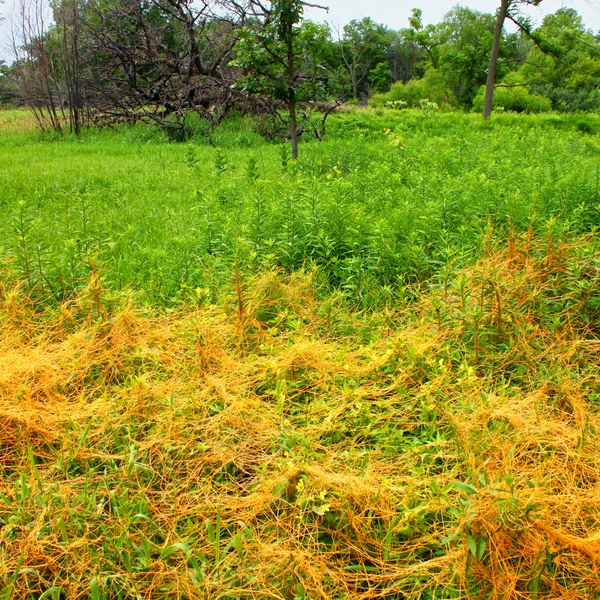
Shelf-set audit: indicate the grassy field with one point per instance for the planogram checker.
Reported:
(369, 374)
(389, 200)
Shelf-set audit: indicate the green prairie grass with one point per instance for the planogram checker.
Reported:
(387, 201)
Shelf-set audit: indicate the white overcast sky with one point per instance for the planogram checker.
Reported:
(393, 13)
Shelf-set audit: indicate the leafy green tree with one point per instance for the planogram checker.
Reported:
(6, 93)
(380, 78)
(279, 58)
(464, 55)
(429, 37)
(511, 95)
(362, 47)
(405, 56)
(559, 67)
(320, 58)
(508, 9)
(564, 65)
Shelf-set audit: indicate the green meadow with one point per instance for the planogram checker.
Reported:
(389, 200)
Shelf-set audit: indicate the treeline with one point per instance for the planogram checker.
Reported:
(164, 60)
(555, 66)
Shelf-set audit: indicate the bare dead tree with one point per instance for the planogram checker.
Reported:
(158, 60)
(356, 44)
(68, 20)
(36, 73)
(109, 61)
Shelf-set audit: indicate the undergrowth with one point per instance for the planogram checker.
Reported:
(387, 201)
(280, 445)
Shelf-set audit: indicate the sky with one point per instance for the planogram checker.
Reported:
(393, 13)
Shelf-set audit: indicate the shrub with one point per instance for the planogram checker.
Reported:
(585, 98)
(517, 99)
(396, 104)
(380, 78)
(430, 87)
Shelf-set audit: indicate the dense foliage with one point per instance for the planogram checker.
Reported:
(231, 370)
(159, 61)
(387, 200)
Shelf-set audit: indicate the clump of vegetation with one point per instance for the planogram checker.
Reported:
(514, 96)
(386, 201)
(396, 104)
(431, 87)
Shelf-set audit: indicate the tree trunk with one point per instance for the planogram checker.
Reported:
(432, 58)
(291, 81)
(293, 125)
(72, 71)
(491, 75)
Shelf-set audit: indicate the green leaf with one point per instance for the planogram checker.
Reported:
(448, 539)
(471, 544)
(239, 548)
(176, 547)
(480, 546)
(95, 589)
(50, 592)
(142, 517)
(465, 487)
(210, 531)
(321, 509)
(245, 529)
